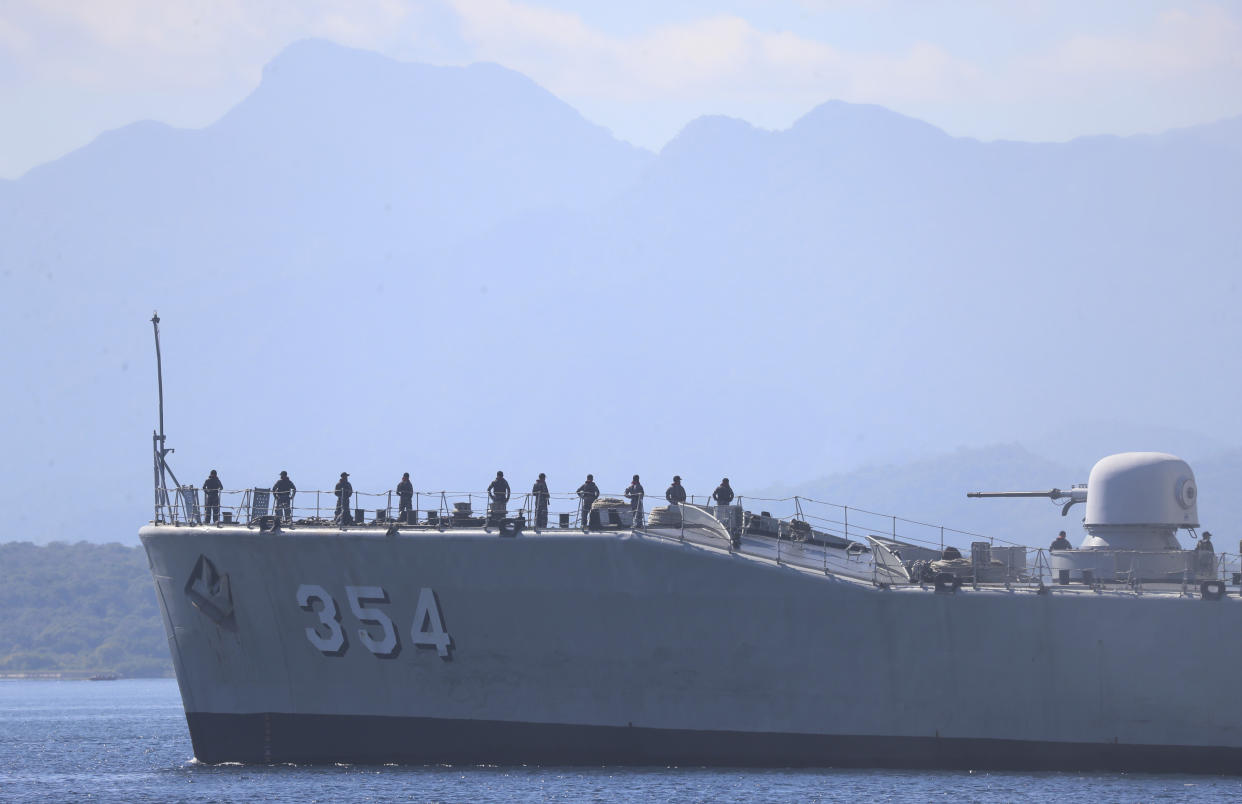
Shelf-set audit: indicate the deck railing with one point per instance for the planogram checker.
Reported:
(797, 530)
(189, 505)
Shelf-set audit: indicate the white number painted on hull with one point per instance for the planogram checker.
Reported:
(428, 628)
(332, 643)
(328, 637)
(387, 646)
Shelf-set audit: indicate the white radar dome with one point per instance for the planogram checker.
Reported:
(1142, 488)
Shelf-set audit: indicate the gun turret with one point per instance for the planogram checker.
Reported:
(1134, 501)
(1077, 494)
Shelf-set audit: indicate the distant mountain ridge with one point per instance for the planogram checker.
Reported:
(337, 137)
(394, 267)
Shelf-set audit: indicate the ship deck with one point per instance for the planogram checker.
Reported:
(854, 563)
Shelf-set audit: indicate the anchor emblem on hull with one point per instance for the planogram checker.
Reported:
(208, 589)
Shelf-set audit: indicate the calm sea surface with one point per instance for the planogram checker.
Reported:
(127, 741)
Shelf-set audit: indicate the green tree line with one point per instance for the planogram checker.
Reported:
(79, 607)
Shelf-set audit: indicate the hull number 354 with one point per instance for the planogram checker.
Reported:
(378, 634)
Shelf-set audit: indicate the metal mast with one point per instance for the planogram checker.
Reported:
(159, 370)
(162, 472)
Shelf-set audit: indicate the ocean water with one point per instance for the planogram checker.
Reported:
(127, 741)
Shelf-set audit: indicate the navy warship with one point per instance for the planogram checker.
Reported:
(759, 633)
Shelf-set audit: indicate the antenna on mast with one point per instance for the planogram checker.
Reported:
(162, 471)
(159, 370)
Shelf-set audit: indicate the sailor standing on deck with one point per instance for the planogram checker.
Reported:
(634, 493)
(498, 493)
(344, 490)
(1205, 557)
(588, 492)
(1061, 543)
(285, 492)
(540, 490)
(676, 493)
(723, 495)
(405, 493)
(211, 497)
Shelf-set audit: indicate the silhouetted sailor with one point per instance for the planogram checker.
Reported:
(405, 495)
(540, 490)
(588, 492)
(723, 495)
(634, 493)
(676, 493)
(498, 493)
(211, 497)
(344, 490)
(1061, 543)
(284, 491)
(1205, 544)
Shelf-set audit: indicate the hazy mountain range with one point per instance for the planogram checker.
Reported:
(380, 267)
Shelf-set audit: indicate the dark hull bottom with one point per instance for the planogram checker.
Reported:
(265, 738)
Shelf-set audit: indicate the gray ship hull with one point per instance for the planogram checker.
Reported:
(466, 647)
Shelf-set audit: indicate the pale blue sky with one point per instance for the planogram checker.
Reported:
(1031, 69)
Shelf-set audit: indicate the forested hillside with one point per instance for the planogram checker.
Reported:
(87, 607)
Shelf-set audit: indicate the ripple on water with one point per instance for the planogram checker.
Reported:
(127, 741)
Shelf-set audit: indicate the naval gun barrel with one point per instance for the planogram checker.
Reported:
(1075, 495)
(1053, 494)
